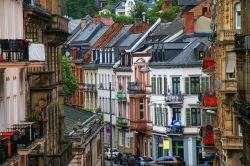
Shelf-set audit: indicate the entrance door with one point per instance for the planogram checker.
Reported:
(178, 148)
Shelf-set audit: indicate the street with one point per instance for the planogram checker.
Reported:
(108, 163)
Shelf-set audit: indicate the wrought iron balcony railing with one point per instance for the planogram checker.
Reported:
(174, 99)
(90, 88)
(136, 87)
(13, 50)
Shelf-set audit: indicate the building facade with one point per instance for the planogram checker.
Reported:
(228, 134)
(242, 76)
(39, 123)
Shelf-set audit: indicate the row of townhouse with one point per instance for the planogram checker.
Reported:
(31, 107)
(156, 76)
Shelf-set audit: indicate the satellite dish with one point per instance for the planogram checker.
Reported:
(217, 84)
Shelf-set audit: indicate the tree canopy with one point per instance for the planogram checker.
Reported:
(70, 81)
(79, 8)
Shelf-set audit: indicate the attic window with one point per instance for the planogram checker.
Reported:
(201, 55)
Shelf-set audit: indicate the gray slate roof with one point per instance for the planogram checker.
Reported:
(124, 32)
(185, 55)
(189, 2)
(73, 115)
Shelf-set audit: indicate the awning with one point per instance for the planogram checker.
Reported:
(231, 62)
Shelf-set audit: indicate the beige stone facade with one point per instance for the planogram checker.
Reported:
(228, 137)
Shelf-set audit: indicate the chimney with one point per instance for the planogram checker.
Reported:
(107, 20)
(83, 23)
(189, 23)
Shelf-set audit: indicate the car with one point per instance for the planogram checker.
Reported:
(144, 161)
(108, 153)
(168, 161)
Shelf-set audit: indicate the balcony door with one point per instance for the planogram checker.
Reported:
(177, 114)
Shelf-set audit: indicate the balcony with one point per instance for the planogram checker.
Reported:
(41, 81)
(122, 122)
(121, 96)
(228, 35)
(174, 99)
(230, 86)
(232, 142)
(173, 130)
(13, 50)
(59, 23)
(141, 125)
(90, 88)
(210, 102)
(136, 87)
(208, 65)
(63, 157)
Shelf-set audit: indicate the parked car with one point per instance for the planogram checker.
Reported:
(107, 154)
(144, 161)
(168, 161)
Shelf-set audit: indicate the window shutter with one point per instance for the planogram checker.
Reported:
(187, 82)
(204, 84)
(165, 86)
(188, 117)
(160, 85)
(153, 80)
(204, 118)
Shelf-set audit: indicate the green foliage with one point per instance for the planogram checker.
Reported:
(115, 17)
(113, 2)
(138, 9)
(79, 8)
(34, 116)
(70, 81)
(157, 12)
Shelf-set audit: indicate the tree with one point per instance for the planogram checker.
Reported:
(79, 8)
(157, 12)
(138, 9)
(70, 85)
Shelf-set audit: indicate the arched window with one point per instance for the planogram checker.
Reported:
(237, 16)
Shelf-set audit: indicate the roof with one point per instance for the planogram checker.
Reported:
(121, 35)
(73, 24)
(189, 2)
(98, 35)
(88, 32)
(74, 115)
(130, 39)
(183, 53)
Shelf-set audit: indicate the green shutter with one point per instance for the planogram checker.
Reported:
(188, 117)
(160, 85)
(165, 86)
(153, 80)
(204, 84)
(187, 82)
(204, 118)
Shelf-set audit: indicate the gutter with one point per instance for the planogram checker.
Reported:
(145, 35)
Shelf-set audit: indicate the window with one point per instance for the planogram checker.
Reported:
(176, 85)
(231, 65)
(238, 16)
(195, 117)
(177, 114)
(141, 108)
(127, 139)
(195, 85)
